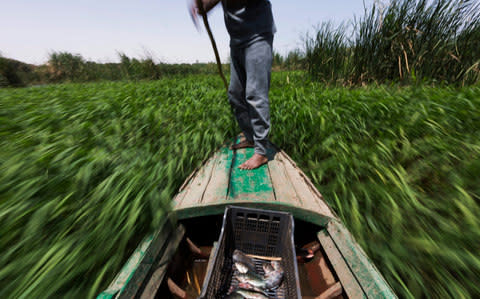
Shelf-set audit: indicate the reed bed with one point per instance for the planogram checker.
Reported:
(87, 169)
(400, 167)
(410, 41)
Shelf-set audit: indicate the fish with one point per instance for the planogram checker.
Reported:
(241, 267)
(253, 279)
(234, 295)
(240, 257)
(247, 286)
(274, 278)
(276, 265)
(248, 294)
(267, 268)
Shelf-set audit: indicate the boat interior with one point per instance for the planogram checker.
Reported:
(186, 270)
(174, 261)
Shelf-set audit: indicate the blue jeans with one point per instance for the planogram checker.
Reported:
(250, 69)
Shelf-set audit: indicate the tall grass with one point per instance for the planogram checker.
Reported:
(408, 41)
(400, 167)
(87, 169)
(135, 69)
(294, 60)
(327, 53)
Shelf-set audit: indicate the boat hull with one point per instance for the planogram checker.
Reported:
(278, 185)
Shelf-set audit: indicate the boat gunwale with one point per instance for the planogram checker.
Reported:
(218, 208)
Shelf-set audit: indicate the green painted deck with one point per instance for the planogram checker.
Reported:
(278, 185)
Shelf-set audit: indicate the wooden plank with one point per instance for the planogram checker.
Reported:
(182, 192)
(210, 265)
(217, 189)
(350, 284)
(196, 189)
(308, 197)
(178, 199)
(318, 273)
(325, 272)
(369, 278)
(332, 292)
(137, 280)
(252, 184)
(128, 268)
(157, 277)
(283, 187)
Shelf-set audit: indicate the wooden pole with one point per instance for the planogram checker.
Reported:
(262, 257)
(201, 9)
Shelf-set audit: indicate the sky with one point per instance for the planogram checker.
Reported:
(100, 29)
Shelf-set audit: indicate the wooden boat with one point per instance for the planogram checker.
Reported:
(172, 262)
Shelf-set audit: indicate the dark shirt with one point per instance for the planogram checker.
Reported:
(248, 20)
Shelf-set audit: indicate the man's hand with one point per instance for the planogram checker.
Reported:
(195, 10)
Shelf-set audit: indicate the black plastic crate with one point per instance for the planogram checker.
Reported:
(258, 232)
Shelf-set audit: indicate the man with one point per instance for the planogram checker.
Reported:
(251, 28)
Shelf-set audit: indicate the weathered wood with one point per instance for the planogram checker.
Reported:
(266, 258)
(217, 188)
(327, 275)
(332, 292)
(220, 182)
(282, 185)
(130, 267)
(138, 278)
(319, 274)
(306, 194)
(366, 273)
(194, 192)
(350, 284)
(218, 208)
(182, 191)
(156, 279)
(305, 177)
(210, 264)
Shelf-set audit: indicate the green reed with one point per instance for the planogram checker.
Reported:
(86, 170)
(410, 41)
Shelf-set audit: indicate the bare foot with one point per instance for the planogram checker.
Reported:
(255, 161)
(243, 144)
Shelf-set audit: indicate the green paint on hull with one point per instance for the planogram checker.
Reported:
(224, 165)
(372, 283)
(127, 270)
(249, 184)
(218, 208)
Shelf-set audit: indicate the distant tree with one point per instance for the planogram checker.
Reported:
(8, 73)
(277, 60)
(65, 66)
(295, 60)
